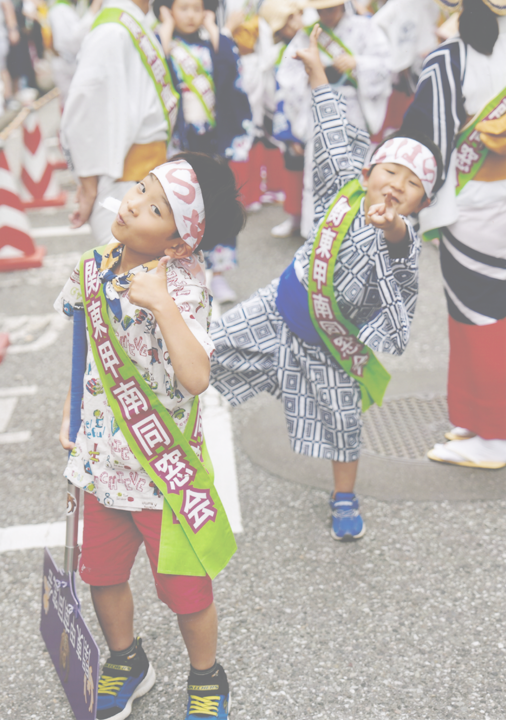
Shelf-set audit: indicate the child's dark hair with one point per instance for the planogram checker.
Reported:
(478, 26)
(208, 5)
(225, 214)
(420, 137)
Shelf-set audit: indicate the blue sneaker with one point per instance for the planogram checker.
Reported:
(208, 696)
(121, 684)
(347, 523)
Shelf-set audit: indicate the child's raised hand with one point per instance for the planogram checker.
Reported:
(166, 17)
(209, 19)
(310, 56)
(149, 290)
(210, 25)
(384, 217)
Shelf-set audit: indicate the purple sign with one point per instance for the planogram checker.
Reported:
(73, 650)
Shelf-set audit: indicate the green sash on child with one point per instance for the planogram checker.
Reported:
(338, 333)
(331, 45)
(196, 78)
(196, 538)
(151, 57)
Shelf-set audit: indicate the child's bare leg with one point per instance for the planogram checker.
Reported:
(200, 634)
(345, 474)
(114, 606)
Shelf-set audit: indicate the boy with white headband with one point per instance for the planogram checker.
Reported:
(309, 337)
(140, 452)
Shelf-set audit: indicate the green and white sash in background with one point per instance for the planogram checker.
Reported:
(196, 78)
(196, 538)
(152, 58)
(338, 333)
(332, 46)
(471, 151)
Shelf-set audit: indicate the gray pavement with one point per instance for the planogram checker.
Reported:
(406, 623)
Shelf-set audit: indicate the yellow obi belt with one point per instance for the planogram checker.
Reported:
(141, 159)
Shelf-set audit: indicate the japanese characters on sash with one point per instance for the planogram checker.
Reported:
(461, 103)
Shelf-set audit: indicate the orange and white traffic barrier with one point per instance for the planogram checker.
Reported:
(17, 249)
(39, 187)
(4, 344)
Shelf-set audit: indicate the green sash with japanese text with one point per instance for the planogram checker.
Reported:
(331, 45)
(471, 151)
(152, 58)
(196, 538)
(339, 334)
(195, 76)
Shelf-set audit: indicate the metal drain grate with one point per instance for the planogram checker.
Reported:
(405, 427)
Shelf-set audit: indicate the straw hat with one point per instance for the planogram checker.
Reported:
(497, 6)
(324, 4)
(277, 12)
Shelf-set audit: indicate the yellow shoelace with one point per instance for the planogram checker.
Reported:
(204, 705)
(108, 685)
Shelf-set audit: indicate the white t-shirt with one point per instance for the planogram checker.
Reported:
(102, 462)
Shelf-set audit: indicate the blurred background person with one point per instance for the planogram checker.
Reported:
(356, 55)
(68, 30)
(9, 37)
(460, 103)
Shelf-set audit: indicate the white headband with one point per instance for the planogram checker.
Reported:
(180, 184)
(413, 155)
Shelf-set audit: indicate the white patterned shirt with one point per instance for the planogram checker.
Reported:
(374, 291)
(102, 461)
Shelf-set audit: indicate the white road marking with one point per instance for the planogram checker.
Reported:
(22, 329)
(11, 438)
(59, 231)
(25, 537)
(18, 391)
(6, 409)
(220, 443)
(8, 402)
(54, 273)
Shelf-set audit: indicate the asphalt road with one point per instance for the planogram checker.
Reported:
(408, 623)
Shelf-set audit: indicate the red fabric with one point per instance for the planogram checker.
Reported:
(293, 186)
(398, 103)
(275, 168)
(110, 543)
(247, 175)
(477, 378)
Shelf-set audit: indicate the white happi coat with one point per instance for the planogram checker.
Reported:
(366, 105)
(112, 105)
(410, 26)
(68, 30)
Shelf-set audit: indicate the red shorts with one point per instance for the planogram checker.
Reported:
(110, 543)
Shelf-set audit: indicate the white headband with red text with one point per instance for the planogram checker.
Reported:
(180, 184)
(413, 155)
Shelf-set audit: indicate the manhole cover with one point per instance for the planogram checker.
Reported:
(405, 427)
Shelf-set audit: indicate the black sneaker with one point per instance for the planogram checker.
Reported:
(121, 684)
(209, 696)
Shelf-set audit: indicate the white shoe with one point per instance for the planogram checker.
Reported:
(254, 207)
(459, 433)
(474, 452)
(221, 290)
(288, 228)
